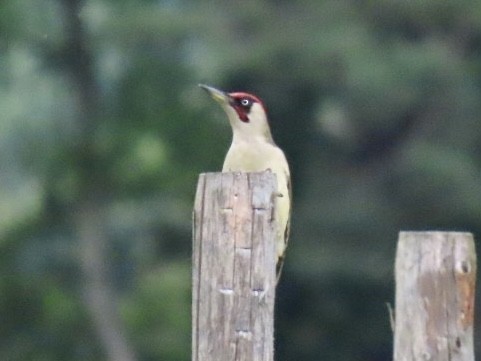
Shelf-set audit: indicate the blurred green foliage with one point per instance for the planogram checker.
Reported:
(376, 103)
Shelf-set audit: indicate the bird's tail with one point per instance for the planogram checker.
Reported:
(279, 267)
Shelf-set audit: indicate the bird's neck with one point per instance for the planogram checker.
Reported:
(239, 137)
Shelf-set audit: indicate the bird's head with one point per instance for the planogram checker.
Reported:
(246, 112)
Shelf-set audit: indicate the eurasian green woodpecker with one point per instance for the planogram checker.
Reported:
(254, 150)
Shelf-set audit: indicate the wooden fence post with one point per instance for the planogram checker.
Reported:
(234, 267)
(435, 285)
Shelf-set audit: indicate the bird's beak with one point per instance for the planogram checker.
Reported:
(218, 95)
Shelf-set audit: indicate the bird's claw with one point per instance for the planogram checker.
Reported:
(261, 293)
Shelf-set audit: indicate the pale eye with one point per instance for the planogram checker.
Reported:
(245, 102)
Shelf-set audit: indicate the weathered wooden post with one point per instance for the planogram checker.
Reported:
(435, 284)
(234, 267)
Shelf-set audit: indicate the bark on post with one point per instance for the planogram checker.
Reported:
(435, 285)
(234, 267)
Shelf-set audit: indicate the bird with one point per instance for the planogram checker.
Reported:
(253, 150)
